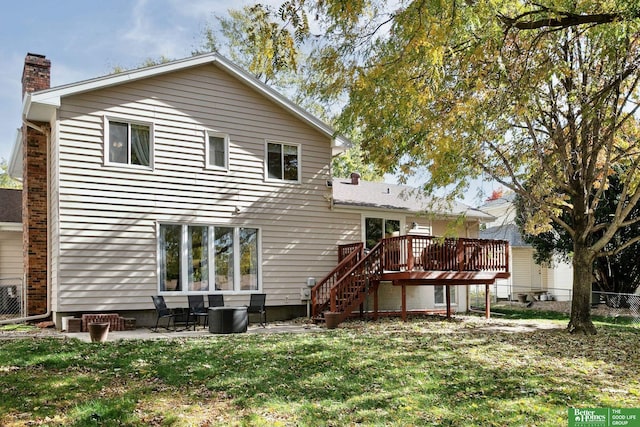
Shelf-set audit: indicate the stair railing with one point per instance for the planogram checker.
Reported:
(349, 256)
(351, 290)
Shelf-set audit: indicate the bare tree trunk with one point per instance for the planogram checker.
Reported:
(580, 321)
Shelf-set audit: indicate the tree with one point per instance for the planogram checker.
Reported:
(617, 272)
(5, 180)
(540, 97)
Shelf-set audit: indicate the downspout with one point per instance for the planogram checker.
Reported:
(24, 275)
(30, 318)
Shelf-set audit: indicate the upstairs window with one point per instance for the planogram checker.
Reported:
(129, 143)
(283, 162)
(217, 150)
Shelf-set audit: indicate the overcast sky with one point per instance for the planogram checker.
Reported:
(86, 39)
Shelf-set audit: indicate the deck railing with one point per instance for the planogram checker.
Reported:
(345, 250)
(427, 253)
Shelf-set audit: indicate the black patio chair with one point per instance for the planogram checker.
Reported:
(257, 305)
(163, 312)
(197, 310)
(216, 300)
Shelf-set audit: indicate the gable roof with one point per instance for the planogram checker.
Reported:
(10, 205)
(41, 105)
(399, 198)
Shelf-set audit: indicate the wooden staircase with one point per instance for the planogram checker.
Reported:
(347, 286)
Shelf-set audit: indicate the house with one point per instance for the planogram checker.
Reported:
(11, 267)
(527, 277)
(10, 233)
(190, 177)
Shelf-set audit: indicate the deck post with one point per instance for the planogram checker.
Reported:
(460, 254)
(375, 304)
(487, 301)
(404, 303)
(448, 295)
(410, 261)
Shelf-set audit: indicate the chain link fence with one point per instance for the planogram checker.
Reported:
(623, 308)
(11, 298)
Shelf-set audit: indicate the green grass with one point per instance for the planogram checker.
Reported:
(20, 327)
(423, 372)
(515, 313)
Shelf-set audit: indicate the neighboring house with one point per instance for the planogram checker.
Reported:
(10, 234)
(190, 177)
(11, 267)
(526, 276)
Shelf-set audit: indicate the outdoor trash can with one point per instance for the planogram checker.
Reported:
(228, 320)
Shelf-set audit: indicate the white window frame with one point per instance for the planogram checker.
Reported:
(454, 295)
(184, 260)
(225, 137)
(266, 162)
(380, 215)
(123, 119)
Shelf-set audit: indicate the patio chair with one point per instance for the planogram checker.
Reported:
(257, 305)
(163, 312)
(197, 310)
(216, 300)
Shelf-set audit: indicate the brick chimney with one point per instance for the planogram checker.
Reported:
(355, 178)
(36, 76)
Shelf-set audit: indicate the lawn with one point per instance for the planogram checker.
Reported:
(465, 372)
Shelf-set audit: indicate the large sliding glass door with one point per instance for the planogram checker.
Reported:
(377, 228)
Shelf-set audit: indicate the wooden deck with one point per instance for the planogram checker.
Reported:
(409, 261)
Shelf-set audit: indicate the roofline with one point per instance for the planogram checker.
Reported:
(51, 98)
(14, 168)
(483, 217)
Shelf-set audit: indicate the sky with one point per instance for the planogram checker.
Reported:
(85, 39)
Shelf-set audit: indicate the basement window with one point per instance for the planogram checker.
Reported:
(440, 296)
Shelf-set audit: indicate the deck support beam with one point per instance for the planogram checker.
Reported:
(487, 301)
(404, 303)
(448, 296)
(375, 303)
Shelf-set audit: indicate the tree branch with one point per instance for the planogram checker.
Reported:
(566, 20)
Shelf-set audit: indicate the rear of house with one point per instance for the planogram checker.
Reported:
(186, 178)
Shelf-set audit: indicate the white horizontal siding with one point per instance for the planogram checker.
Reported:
(108, 215)
(11, 254)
